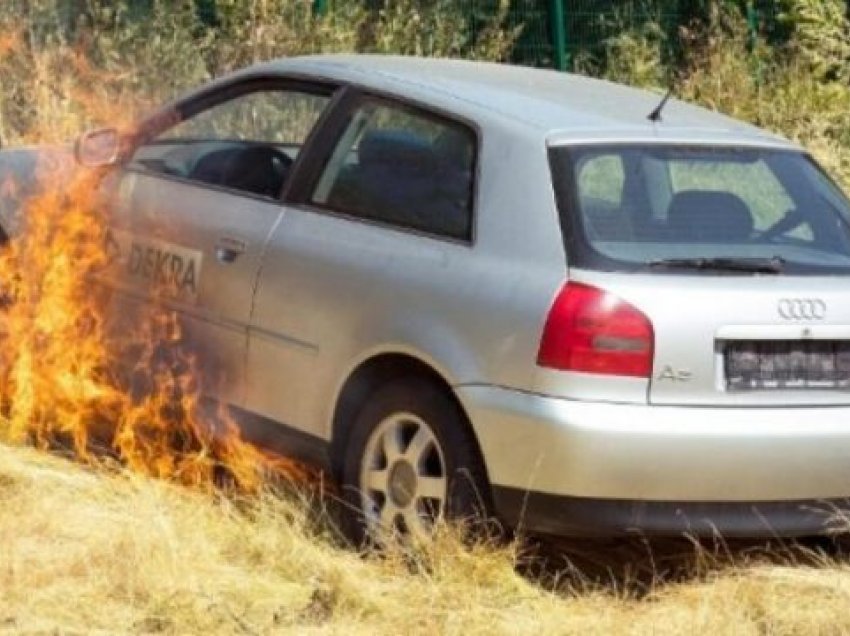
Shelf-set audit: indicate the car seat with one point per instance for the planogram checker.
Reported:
(252, 168)
(709, 216)
(396, 176)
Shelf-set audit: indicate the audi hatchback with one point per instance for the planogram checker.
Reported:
(469, 288)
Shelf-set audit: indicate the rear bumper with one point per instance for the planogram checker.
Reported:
(661, 469)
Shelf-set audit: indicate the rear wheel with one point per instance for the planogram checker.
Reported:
(411, 462)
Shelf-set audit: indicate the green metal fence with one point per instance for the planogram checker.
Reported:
(556, 33)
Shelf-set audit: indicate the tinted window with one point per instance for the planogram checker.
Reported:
(248, 143)
(404, 168)
(628, 207)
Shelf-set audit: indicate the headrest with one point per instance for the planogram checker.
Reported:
(454, 149)
(709, 216)
(397, 149)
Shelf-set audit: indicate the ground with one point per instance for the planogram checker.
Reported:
(85, 550)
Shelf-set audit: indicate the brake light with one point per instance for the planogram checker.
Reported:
(592, 331)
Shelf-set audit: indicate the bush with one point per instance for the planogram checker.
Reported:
(797, 88)
(61, 71)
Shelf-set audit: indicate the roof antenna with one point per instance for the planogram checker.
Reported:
(655, 115)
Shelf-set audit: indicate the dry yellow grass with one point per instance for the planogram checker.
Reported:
(89, 552)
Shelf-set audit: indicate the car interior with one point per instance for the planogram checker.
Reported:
(709, 216)
(401, 178)
(252, 167)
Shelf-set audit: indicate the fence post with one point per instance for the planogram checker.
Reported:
(752, 25)
(752, 41)
(557, 19)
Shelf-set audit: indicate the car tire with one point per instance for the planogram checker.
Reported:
(410, 460)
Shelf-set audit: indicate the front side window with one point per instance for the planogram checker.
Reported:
(404, 168)
(638, 206)
(247, 144)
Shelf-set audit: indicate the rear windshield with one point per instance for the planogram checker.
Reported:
(639, 206)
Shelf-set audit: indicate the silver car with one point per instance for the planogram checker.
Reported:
(468, 288)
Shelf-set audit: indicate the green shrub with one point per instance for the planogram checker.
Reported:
(61, 71)
(798, 88)
(821, 36)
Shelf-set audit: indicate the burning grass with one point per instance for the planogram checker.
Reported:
(84, 552)
(65, 380)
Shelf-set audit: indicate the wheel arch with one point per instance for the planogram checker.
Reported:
(370, 374)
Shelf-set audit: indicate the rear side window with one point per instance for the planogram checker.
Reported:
(402, 167)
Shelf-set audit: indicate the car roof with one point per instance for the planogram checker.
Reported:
(564, 107)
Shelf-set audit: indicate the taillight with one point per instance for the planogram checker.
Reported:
(592, 331)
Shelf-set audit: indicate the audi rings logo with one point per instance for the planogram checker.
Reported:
(802, 308)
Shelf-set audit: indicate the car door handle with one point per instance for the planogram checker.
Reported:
(229, 249)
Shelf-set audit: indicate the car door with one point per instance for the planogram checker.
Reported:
(200, 199)
(387, 211)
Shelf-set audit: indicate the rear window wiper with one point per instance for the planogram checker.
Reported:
(773, 265)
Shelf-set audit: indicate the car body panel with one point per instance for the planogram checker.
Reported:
(320, 272)
(169, 224)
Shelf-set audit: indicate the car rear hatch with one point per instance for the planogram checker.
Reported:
(721, 340)
(720, 274)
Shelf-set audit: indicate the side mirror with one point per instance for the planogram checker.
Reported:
(98, 148)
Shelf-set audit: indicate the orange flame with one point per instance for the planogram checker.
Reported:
(60, 381)
(60, 384)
